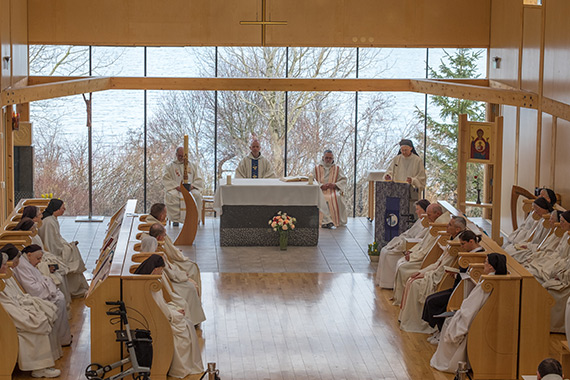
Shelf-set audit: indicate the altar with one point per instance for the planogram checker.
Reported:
(246, 206)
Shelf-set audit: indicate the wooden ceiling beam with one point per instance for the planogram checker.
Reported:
(472, 92)
(54, 90)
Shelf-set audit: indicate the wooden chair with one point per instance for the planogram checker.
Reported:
(9, 339)
(207, 206)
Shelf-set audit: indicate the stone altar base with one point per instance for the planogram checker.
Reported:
(247, 226)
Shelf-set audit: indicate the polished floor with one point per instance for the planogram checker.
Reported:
(304, 313)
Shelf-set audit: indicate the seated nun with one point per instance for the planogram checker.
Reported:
(452, 346)
(186, 359)
(549, 195)
(181, 283)
(38, 347)
(530, 251)
(51, 237)
(531, 231)
(395, 249)
(175, 256)
(50, 266)
(37, 285)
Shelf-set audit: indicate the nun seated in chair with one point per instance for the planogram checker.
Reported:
(186, 359)
(452, 346)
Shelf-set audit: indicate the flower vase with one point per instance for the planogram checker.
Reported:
(283, 240)
(478, 196)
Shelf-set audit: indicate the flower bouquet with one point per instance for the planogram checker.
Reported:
(282, 223)
(373, 251)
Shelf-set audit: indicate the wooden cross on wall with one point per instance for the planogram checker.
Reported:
(264, 22)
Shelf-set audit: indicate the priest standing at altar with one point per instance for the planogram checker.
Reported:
(333, 184)
(407, 166)
(171, 180)
(255, 165)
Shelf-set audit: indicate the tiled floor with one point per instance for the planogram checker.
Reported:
(342, 250)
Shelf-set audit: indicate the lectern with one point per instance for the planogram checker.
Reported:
(393, 213)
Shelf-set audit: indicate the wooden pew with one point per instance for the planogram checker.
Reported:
(9, 339)
(106, 286)
(534, 306)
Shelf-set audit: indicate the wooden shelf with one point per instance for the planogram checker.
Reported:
(473, 204)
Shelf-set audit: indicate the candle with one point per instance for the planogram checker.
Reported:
(229, 179)
(311, 179)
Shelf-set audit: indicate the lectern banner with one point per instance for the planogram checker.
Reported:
(393, 213)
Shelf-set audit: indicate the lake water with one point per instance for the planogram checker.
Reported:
(117, 111)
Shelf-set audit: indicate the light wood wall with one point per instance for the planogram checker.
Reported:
(534, 45)
(216, 22)
(14, 45)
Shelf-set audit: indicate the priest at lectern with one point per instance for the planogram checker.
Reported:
(173, 175)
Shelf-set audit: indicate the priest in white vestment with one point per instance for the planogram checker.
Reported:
(186, 359)
(407, 166)
(333, 184)
(37, 285)
(33, 318)
(426, 281)
(183, 286)
(172, 179)
(68, 252)
(396, 248)
(175, 256)
(255, 165)
(412, 260)
(452, 347)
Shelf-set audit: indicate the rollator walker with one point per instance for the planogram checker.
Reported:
(139, 347)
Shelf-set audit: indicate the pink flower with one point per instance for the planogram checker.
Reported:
(292, 226)
(284, 227)
(273, 224)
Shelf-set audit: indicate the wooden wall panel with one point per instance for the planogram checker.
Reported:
(143, 22)
(527, 148)
(19, 34)
(506, 36)
(546, 150)
(380, 23)
(5, 41)
(557, 51)
(509, 137)
(562, 179)
(532, 32)
(216, 22)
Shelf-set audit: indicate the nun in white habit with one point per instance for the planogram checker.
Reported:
(187, 358)
(33, 318)
(180, 283)
(37, 285)
(68, 252)
(452, 346)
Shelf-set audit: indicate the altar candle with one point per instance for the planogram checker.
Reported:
(229, 179)
(185, 175)
(311, 178)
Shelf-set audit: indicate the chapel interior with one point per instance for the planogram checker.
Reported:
(293, 317)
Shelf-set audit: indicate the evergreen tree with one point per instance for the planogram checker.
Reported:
(441, 152)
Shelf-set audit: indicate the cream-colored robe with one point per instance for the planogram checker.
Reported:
(335, 198)
(523, 254)
(546, 263)
(33, 318)
(452, 346)
(173, 175)
(59, 277)
(186, 359)
(50, 234)
(418, 290)
(401, 168)
(37, 285)
(176, 258)
(559, 287)
(404, 269)
(523, 232)
(393, 251)
(265, 168)
(179, 281)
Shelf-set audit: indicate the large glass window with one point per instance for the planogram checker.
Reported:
(293, 127)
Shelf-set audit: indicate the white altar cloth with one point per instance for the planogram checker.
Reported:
(268, 192)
